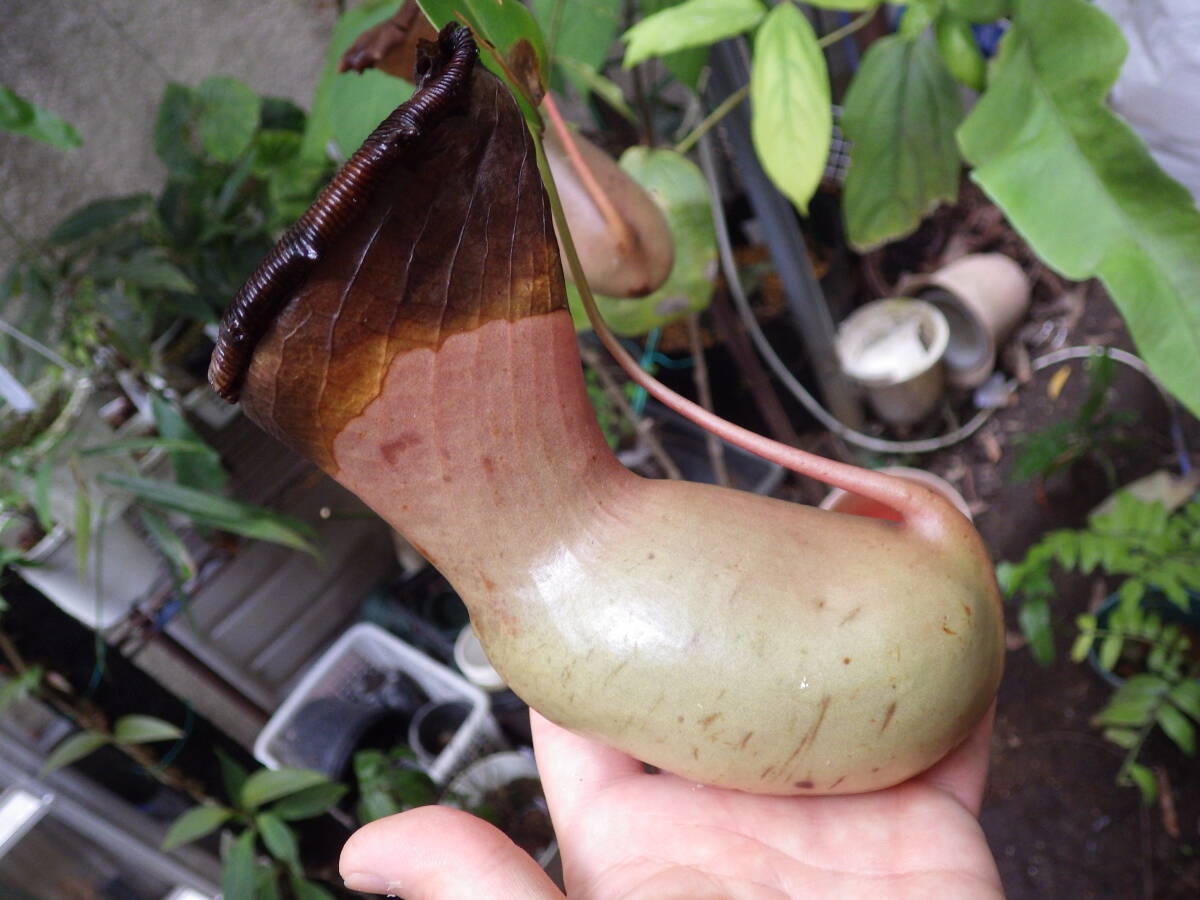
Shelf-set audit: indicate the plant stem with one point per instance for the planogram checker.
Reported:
(642, 425)
(713, 118)
(716, 450)
(729, 103)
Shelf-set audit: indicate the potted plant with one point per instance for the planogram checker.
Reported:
(505, 789)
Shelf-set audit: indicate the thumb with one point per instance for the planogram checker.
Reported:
(438, 853)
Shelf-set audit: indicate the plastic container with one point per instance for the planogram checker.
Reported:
(471, 788)
(893, 349)
(983, 296)
(472, 661)
(335, 682)
(842, 501)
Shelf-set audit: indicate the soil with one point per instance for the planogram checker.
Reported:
(519, 810)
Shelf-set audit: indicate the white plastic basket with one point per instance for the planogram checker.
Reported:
(368, 647)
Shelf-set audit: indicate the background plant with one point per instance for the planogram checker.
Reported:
(1154, 554)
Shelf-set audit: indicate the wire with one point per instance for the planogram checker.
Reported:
(866, 441)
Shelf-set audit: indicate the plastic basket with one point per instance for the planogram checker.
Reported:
(336, 677)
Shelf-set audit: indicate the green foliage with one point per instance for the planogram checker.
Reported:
(73, 749)
(293, 794)
(1080, 185)
(389, 783)
(678, 188)
(1089, 434)
(19, 116)
(791, 125)
(694, 23)
(1155, 554)
(502, 23)
(901, 111)
(579, 34)
(138, 729)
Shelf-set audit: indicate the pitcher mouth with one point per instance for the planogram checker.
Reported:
(443, 74)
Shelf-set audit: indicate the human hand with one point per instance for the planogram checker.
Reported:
(625, 834)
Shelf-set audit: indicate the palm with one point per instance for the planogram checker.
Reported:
(626, 834)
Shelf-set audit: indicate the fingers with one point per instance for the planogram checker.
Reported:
(574, 768)
(438, 853)
(963, 774)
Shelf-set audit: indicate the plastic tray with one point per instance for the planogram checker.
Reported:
(336, 676)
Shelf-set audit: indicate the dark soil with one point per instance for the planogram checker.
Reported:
(519, 810)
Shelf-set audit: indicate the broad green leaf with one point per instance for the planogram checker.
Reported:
(217, 512)
(19, 116)
(1186, 695)
(979, 11)
(279, 839)
(228, 116)
(347, 105)
(900, 111)
(1082, 646)
(203, 470)
(98, 216)
(266, 882)
(1133, 703)
(1080, 186)
(847, 5)
(1142, 777)
(679, 189)
(1177, 728)
(579, 34)
(695, 23)
(73, 749)
(686, 65)
(791, 123)
(174, 129)
(306, 890)
(123, 446)
(502, 23)
(195, 823)
(1034, 619)
(274, 148)
(266, 785)
(310, 802)
(144, 271)
(137, 729)
(238, 869)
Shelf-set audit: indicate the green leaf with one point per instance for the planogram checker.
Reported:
(679, 189)
(1080, 185)
(144, 271)
(847, 5)
(73, 749)
(590, 80)
(1186, 695)
(1034, 619)
(695, 23)
(1177, 728)
(266, 882)
(19, 116)
(238, 871)
(169, 544)
(228, 117)
(310, 802)
(1110, 651)
(1133, 703)
(203, 470)
(279, 839)
(1125, 738)
(137, 729)
(900, 111)
(305, 889)
(233, 776)
(42, 480)
(960, 53)
(791, 123)
(501, 22)
(175, 129)
(217, 512)
(98, 216)
(1142, 777)
(266, 785)
(195, 823)
(82, 533)
(347, 106)
(1082, 646)
(19, 687)
(579, 35)
(979, 11)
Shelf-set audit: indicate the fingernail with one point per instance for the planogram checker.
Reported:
(370, 884)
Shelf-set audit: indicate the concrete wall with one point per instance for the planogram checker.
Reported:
(103, 64)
